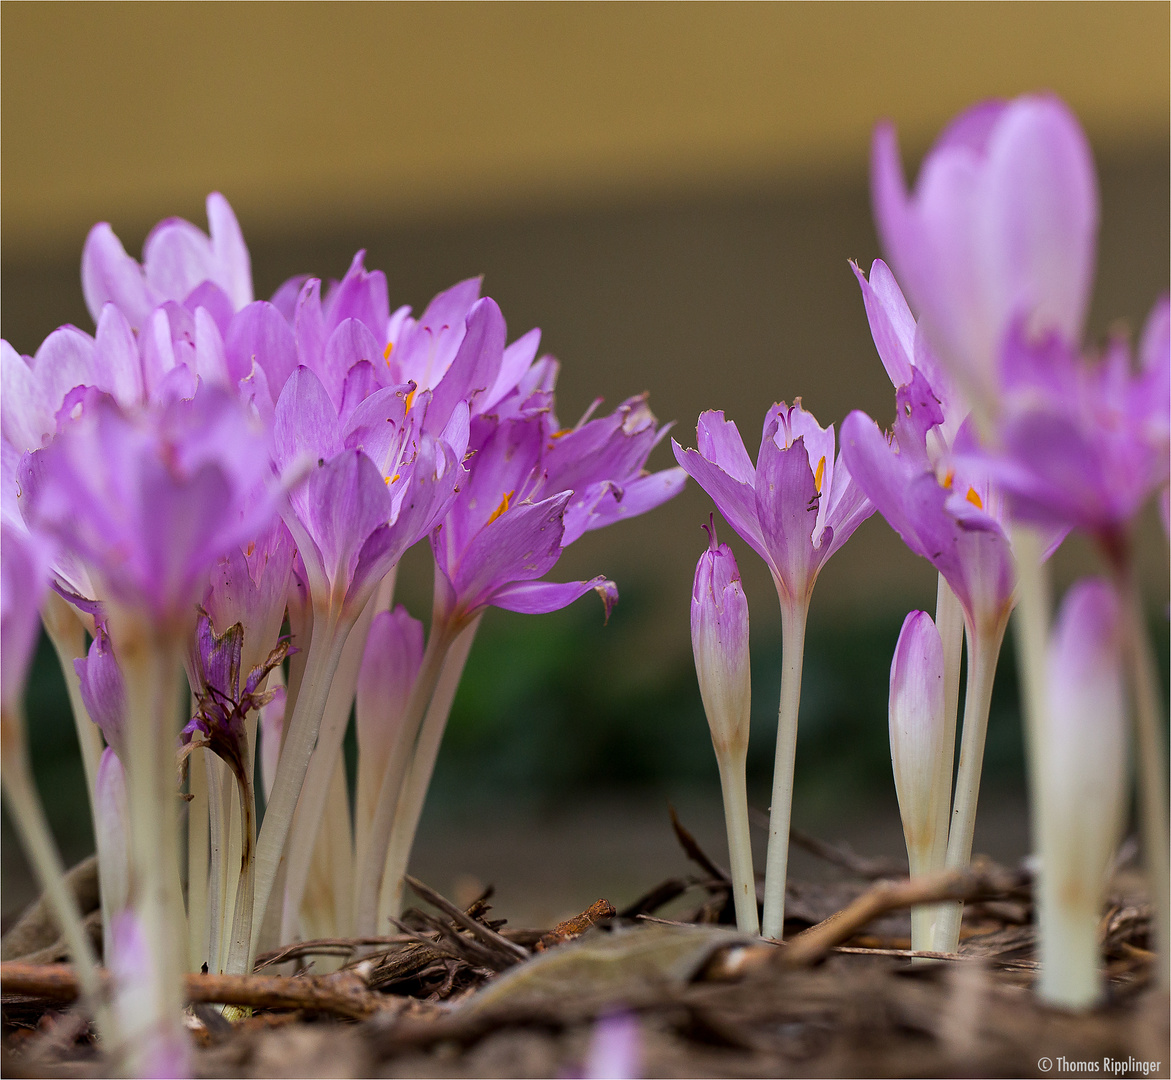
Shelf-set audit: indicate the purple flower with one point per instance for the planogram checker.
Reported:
(24, 569)
(615, 1048)
(938, 518)
(375, 485)
(223, 703)
(795, 508)
(1000, 229)
(903, 348)
(179, 263)
(531, 492)
(149, 502)
(1079, 443)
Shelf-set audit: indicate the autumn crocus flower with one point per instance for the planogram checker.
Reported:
(943, 519)
(532, 490)
(719, 641)
(1000, 229)
(148, 503)
(794, 508)
(179, 263)
(1080, 443)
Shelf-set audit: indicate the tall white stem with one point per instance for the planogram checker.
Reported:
(735, 792)
(325, 650)
(198, 826)
(1151, 756)
(313, 803)
(37, 840)
(67, 635)
(793, 618)
(152, 669)
(371, 861)
(983, 651)
(414, 794)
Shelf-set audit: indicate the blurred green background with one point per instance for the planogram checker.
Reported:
(671, 192)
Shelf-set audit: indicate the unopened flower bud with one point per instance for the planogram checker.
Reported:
(719, 638)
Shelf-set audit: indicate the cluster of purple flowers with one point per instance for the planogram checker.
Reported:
(208, 472)
(211, 485)
(1008, 434)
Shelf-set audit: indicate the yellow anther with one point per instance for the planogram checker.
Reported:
(951, 475)
(819, 475)
(561, 434)
(410, 401)
(502, 507)
(391, 479)
(386, 351)
(973, 497)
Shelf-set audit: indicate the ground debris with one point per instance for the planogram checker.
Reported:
(456, 993)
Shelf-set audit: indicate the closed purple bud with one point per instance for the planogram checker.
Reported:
(719, 639)
(918, 740)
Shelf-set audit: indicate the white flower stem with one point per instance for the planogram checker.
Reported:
(198, 827)
(418, 778)
(218, 824)
(313, 803)
(37, 840)
(793, 618)
(67, 634)
(152, 670)
(949, 621)
(238, 959)
(371, 861)
(1151, 755)
(735, 791)
(325, 650)
(983, 652)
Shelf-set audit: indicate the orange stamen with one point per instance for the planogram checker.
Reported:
(951, 475)
(410, 401)
(386, 351)
(819, 475)
(974, 498)
(502, 507)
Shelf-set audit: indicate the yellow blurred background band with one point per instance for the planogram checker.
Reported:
(338, 112)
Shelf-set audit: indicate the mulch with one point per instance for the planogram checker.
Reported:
(456, 992)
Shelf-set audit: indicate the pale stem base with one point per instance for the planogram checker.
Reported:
(418, 779)
(983, 652)
(733, 785)
(793, 618)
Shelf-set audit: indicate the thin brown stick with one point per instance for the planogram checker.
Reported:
(326, 947)
(978, 881)
(486, 935)
(342, 993)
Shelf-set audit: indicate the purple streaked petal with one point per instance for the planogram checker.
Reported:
(891, 324)
(209, 296)
(117, 364)
(719, 442)
(109, 275)
(476, 364)
(522, 544)
(637, 497)
(176, 257)
(541, 597)
(24, 568)
(787, 505)
(735, 500)
(260, 334)
(233, 264)
(305, 425)
(518, 358)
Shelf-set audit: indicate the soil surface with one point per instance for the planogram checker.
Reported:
(459, 992)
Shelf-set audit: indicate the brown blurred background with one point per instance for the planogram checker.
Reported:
(670, 191)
